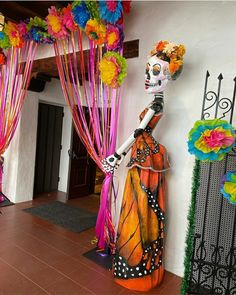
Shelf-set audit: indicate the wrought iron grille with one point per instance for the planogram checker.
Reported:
(213, 265)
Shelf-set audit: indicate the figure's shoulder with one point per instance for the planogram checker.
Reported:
(157, 106)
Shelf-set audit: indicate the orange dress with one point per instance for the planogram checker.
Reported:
(138, 263)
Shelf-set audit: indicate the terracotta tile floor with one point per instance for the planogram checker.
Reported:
(38, 258)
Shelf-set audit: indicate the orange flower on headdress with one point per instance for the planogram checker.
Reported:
(161, 45)
(174, 65)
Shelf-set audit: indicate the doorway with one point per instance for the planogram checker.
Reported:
(48, 150)
(82, 169)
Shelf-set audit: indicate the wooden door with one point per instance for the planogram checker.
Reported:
(82, 169)
(48, 151)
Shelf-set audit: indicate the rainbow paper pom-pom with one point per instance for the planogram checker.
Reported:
(110, 11)
(228, 187)
(4, 41)
(55, 24)
(80, 13)
(13, 33)
(211, 140)
(37, 31)
(115, 37)
(67, 18)
(113, 69)
(96, 31)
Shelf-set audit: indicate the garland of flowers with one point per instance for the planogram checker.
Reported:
(191, 228)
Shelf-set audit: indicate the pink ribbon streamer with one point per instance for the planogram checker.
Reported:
(99, 134)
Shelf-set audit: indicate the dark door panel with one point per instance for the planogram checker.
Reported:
(48, 150)
(83, 169)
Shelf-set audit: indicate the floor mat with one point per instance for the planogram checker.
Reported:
(6, 201)
(65, 215)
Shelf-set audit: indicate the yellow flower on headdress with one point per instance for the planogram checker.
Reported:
(169, 48)
(180, 50)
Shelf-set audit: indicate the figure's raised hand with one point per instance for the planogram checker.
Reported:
(111, 163)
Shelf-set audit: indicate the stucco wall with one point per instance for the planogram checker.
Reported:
(18, 179)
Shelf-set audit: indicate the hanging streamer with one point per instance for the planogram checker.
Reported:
(102, 102)
(14, 79)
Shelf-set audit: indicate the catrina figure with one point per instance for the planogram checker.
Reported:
(138, 260)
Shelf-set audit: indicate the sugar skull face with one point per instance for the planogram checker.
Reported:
(157, 75)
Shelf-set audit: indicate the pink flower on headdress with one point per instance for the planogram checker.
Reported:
(56, 27)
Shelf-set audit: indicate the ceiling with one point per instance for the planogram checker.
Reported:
(21, 10)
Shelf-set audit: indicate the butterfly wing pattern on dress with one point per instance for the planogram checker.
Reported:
(138, 263)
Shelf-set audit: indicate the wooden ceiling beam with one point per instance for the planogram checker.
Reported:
(21, 10)
(14, 11)
(48, 65)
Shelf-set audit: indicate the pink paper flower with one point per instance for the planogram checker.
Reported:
(56, 27)
(68, 20)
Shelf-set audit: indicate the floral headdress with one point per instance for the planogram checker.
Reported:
(170, 52)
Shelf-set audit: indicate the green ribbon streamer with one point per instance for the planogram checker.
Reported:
(191, 228)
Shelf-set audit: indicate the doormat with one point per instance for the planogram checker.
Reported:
(65, 215)
(6, 201)
(104, 260)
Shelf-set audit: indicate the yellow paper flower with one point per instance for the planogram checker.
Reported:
(113, 69)
(109, 72)
(54, 22)
(169, 48)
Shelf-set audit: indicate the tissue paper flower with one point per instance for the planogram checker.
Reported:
(113, 69)
(228, 187)
(55, 24)
(211, 140)
(96, 31)
(110, 11)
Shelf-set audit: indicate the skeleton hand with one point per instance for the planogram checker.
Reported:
(112, 162)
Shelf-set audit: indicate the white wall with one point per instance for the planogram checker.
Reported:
(207, 29)
(18, 178)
